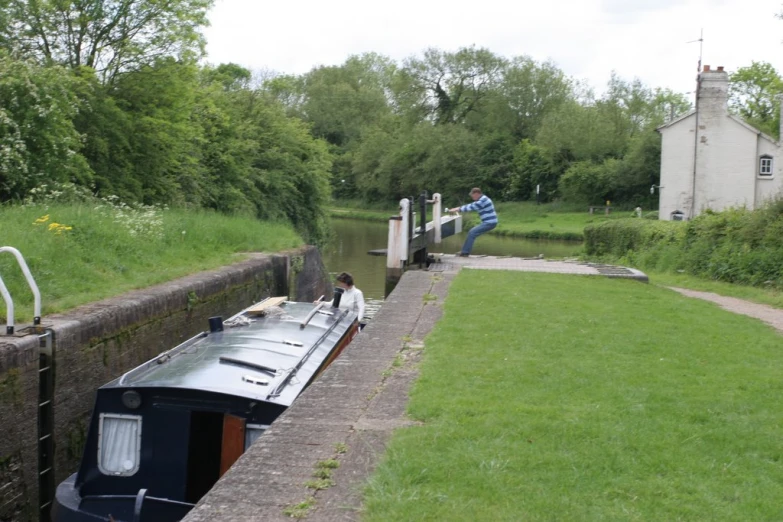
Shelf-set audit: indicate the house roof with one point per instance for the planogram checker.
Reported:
(737, 119)
(676, 120)
(752, 128)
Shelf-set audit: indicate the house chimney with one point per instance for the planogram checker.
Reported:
(713, 90)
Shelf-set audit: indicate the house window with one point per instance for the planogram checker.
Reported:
(765, 165)
(119, 444)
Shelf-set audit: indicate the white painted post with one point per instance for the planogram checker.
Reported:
(397, 244)
(404, 248)
(393, 244)
(436, 215)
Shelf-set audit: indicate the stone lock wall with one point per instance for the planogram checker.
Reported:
(100, 341)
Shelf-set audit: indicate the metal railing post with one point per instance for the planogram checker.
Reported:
(33, 287)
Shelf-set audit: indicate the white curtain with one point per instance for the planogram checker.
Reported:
(118, 452)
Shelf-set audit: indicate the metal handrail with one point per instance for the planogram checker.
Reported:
(7, 297)
(168, 353)
(292, 371)
(9, 308)
(88, 498)
(312, 314)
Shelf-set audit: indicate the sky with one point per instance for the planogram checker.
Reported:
(587, 39)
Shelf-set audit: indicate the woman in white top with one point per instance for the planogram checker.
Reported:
(352, 298)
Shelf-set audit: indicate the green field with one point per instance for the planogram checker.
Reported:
(551, 397)
(525, 219)
(85, 252)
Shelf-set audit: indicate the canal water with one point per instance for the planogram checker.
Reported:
(353, 239)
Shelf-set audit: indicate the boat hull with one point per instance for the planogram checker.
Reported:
(183, 418)
(69, 506)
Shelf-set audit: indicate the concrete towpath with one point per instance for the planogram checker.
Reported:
(349, 414)
(768, 314)
(451, 262)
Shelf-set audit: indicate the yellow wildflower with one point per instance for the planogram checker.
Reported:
(58, 228)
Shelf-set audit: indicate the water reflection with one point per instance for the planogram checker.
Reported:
(354, 238)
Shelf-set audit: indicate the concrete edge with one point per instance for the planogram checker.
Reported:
(347, 416)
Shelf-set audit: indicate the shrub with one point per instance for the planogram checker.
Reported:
(735, 246)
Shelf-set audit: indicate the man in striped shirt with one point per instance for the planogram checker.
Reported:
(489, 218)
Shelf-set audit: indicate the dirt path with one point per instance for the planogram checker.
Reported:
(770, 315)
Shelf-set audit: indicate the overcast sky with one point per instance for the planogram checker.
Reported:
(587, 39)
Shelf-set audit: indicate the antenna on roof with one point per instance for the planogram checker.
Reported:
(696, 126)
(701, 48)
(698, 66)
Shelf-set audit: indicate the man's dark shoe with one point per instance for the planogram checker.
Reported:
(462, 254)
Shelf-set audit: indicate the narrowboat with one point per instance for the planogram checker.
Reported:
(162, 434)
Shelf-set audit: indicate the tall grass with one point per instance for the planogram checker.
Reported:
(83, 252)
(550, 397)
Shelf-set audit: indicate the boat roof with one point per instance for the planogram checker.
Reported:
(269, 358)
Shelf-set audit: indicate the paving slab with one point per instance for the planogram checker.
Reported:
(452, 262)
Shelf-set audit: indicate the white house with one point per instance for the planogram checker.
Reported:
(711, 159)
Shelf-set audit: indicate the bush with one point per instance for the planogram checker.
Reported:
(735, 246)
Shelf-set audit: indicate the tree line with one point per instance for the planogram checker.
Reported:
(112, 95)
(519, 128)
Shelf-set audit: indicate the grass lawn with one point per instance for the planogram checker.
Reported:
(552, 397)
(546, 221)
(79, 253)
(517, 219)
(365, 215)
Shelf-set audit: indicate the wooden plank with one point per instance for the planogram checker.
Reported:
(260, 308)
(233, 441)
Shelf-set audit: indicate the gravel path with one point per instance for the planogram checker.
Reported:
(770, 315)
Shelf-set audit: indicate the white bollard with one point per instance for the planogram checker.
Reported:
(436, 216)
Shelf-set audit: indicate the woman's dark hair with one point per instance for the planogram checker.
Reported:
(346, 278)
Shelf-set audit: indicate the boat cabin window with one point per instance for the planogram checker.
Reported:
(252, 432)
(119, 444)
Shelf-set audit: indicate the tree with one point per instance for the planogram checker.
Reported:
(588, 182)
(665, 105)
(340, 103)
(641, 168)
(230, 75)
(107, 133)
(753, 94)
(110, 36)
(495, 163)
(395, 161)
(533, 165)
(38, 142)
(163, 144)
(581, 132)
(532, 91)
(447, 87)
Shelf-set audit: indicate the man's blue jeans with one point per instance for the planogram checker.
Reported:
(474, 233)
